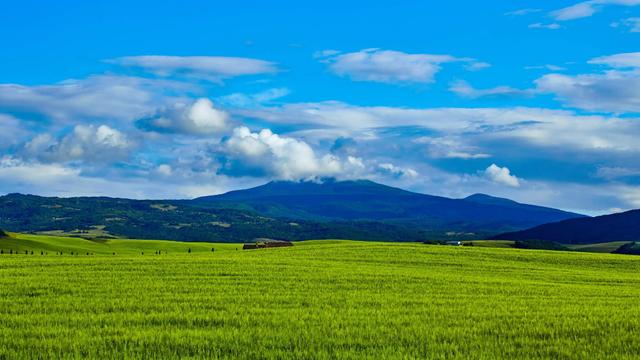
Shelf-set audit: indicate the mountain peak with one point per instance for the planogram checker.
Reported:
(488, 199)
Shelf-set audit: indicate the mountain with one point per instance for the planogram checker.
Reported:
(104, 218)
(616, 227)
(3, 234)
(279, 210)
(332, 200)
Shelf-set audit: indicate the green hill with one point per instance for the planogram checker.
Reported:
(19, 243)
(106, 218)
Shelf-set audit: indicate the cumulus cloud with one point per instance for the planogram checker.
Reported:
(267, 153)
(212, 68)
(13, 130)
(501, 175)
(588, 8)
(197, 118)
(96, 97)
(389, 66)
(85, 143)
(53, 179)
(397, 171)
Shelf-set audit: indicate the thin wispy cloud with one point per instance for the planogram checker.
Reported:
(212, 68)
(629, 24)
(588, 8)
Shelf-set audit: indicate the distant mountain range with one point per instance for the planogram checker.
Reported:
(280, 210)
(616, 227)
(101, 218)
(366, 200)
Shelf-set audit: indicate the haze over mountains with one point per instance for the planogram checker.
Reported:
(285, 210)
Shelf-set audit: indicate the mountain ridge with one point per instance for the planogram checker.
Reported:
(623, 226)
(360, 209)
(364, 199)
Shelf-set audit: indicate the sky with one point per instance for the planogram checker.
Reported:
(537, 101)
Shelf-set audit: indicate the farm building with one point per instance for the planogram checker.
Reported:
(266, 243)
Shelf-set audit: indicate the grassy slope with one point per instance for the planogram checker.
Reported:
(607, 247)
(320, 300)
(53, 244)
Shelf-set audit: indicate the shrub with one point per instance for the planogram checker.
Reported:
(539, 245)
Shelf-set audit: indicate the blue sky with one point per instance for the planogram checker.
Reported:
(536, 101)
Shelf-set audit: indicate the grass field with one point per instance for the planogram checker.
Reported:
(317, 299)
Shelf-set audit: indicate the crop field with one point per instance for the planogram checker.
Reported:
(317, 299)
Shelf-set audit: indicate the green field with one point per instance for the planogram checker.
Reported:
(317, 299)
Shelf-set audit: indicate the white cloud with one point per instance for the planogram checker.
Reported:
(538, 25)
(588, 8)
(396, 171)
(631, 24)
(501, 175)
(463, 88)
(389, 66)
(620, 61)
(212, 68)
(13, 130)
(549, 67)
(612, 91)
(615, 90)
(450, 147)
(477, 66)
(64, 180)
(278, 156)
(522, 12)
(559, 130)
(197, 118)
(164, 170)
(616, 172)
(102, 97)
(325, 53)
(85, 143)
(253, 100)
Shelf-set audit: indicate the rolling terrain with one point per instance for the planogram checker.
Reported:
(108, 218)
(621, 227)
(316, 299)
(361, 210)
